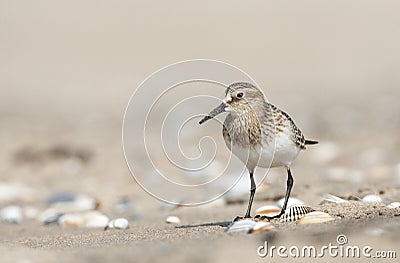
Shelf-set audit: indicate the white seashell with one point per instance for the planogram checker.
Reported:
(291, 202)
(94, 219)
(268, 210)
(11, 214)
(295, 212)
(172, 220)
(91, 219)
(119, 223)
(241, 226)
(372, 199)
(335, 199)
(315, 217)
(68, 220)
(262, 227)
(393, 205)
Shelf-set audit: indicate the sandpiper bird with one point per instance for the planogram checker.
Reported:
(259, 134)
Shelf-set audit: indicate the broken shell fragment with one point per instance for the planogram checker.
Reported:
(295, 212)
(241, 226)
(172, 220)
(262, 227)
(268, 210)
(372, 199)
(334, 199)
(119, 223)
(315, 217)
(291, 202)
(393, 205)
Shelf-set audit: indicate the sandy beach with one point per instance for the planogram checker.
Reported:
(69, 68)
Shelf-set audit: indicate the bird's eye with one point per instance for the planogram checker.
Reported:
(240, 95)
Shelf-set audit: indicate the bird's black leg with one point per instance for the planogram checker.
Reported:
(289, 185)
(252, 192)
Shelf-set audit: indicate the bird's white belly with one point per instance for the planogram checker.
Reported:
(281, 152)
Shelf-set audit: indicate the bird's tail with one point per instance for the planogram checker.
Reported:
(310, 142)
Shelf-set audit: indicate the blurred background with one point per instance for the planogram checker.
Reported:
(68, 69)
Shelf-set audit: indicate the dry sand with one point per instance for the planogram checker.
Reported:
(68, 70)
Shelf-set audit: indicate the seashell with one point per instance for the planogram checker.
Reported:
(262, 227)
(75, 220)
(172, 220)
(241, 226)
(335, 199)
(393, 205)
(91, 219)
(11, 214)
(268, 210)
(119, 223)
(372, 199)
(291, 202)
(295, 212)
(94, 219)
(315, 217)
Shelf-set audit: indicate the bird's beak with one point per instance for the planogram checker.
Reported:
(221, 108)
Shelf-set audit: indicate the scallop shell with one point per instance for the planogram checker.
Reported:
(295, 212)
(393, 205)
(268, 210)
(315, 217)
(172, 220)
(372, 199)
(119, 223)
(262, 227)
(291, 202)
(241, 226)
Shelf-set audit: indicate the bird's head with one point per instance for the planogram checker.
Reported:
(240, 98)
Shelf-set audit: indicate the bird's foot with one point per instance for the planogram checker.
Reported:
(238, 218)
(269, 218)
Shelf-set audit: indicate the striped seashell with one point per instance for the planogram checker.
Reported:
(315, 217)
(295, 212)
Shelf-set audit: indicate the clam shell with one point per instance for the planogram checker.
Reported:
(172, 220)
(262, 227)
(393, 205)
(372, 199)
(315, 217)
(119, 223)
(241, 226)
(295, 212)
(268, 210)
(291, 202)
